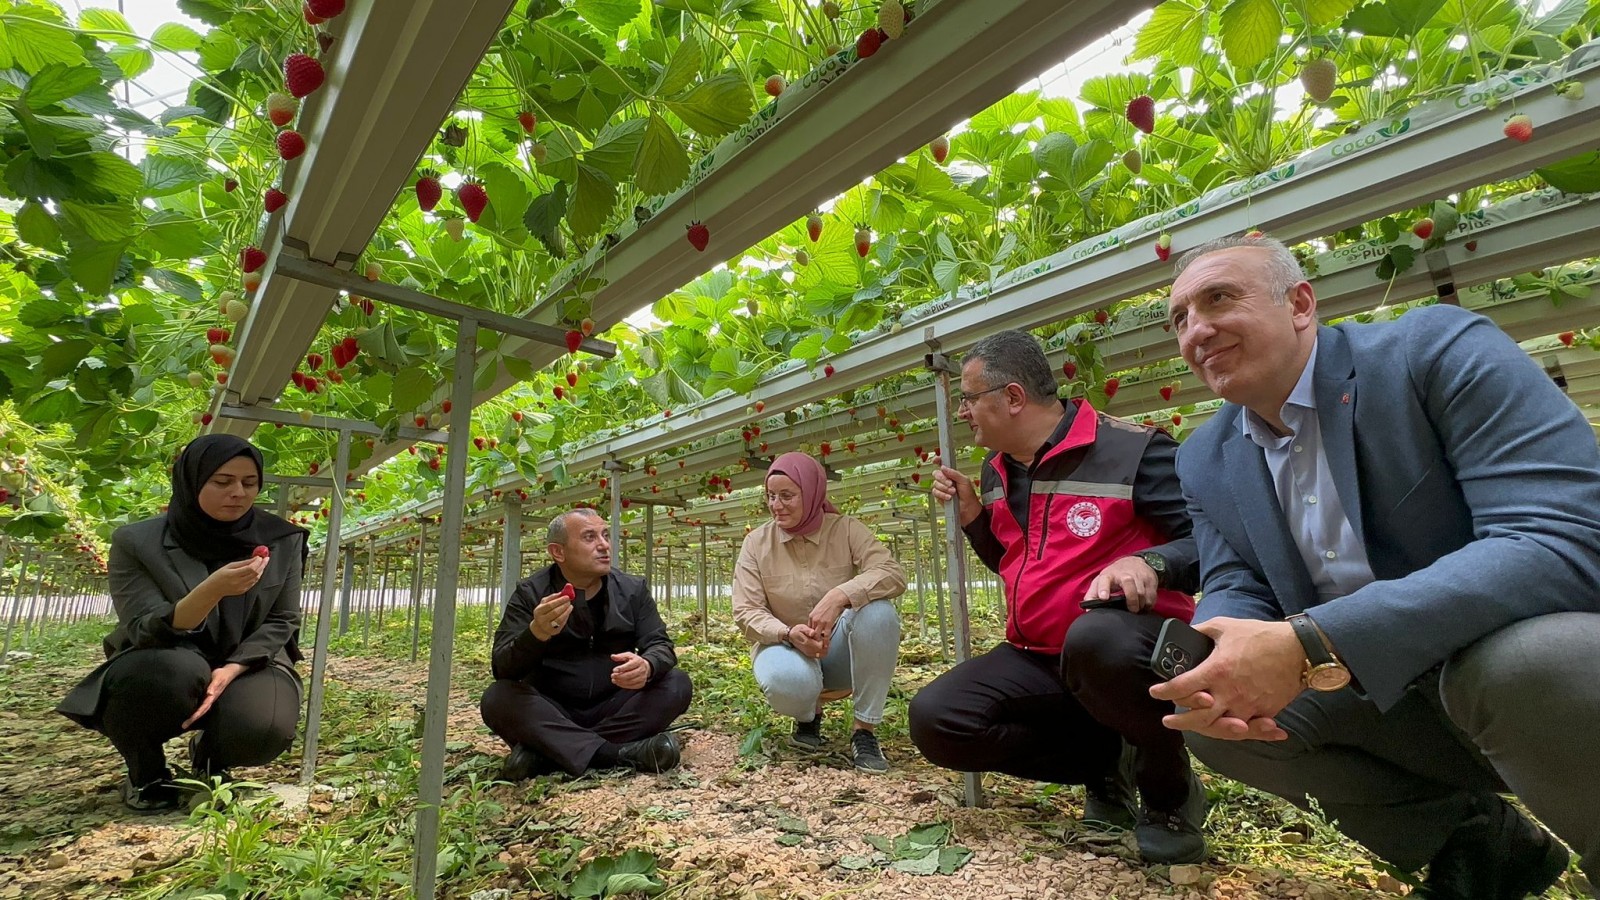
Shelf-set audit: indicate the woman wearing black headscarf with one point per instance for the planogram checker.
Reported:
(208, 610)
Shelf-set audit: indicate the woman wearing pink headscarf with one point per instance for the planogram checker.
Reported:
(813, 591)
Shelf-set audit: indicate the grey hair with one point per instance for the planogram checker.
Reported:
(557, 533)
(1015, 356)
(1282, 265)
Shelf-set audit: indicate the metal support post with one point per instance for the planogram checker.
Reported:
(489, 588)
(668, 570)
(431, 779)
(705, 616)
(619, 546)
(383, 588)
(416, 588)
(319, 652)
(510, 552)
(933, 574)
(955, 542)
(649, 543)
(344, 593)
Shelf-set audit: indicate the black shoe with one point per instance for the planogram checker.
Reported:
(807, 735)
(521, 763)
(1108, 802)
(1169, 837)
(200, 770)
(160, 795)
(1497, 854)
(657, 753)
(867, 755)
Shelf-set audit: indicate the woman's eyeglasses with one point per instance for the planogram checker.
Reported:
(784, 497)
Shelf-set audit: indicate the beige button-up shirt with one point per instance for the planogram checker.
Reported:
(780, 577)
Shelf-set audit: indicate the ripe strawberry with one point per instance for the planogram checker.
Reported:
(760, 405)
(863, 242)
(434, 464)
(222, 378)
(298, 377)
(274, 200)
(1101, 317)
(1472, 246)
(763, 449)
(281, 108)
(1164, 246)
(1142, 113)
(587, 327)
(1069, 369)
(216, 336)
(478, 442)
(699, 235)
(310, 14)
(560, 392)
(572, 379)
(528, 121)
(826, 448)
(1133, 160)
(1111, 387)
(827, 371)
(868, 43)
(1177, 419)
(230, 185)
(814, 227)
(569, 592)
(455, 226)
(1319, 77)
(1166, 392)
(473, 198)
(252, 258)
(916, 477)
(314, 361)
(1519, 128)
(516, 415)
(205, 419)
(776, 85)
(302, 74)
(327, 9)
(290, 145)
(261, 552)
(1567, 337)
(428, 190)
(351, 348)
(445, 407)
(312, 385)
(940, 148)
(421, 420)
(574, 340)
(1423, 228)
(366, 304)
(892, 19)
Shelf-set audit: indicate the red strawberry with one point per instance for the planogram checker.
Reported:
(776, 85)
(445, 407)
(290, 144)
(274, 200)
(310, 14)
(324, 41)
(1164, 246)
(428, 190)
(1567, 337)
(261, 551)
(1069, 369)
(699, 236)
(574, 340)
(281, 108)
(1142, 113)
(473, 198)
(222, 378)
(1166, 392)
(763, 446)
(528, 121)
(559, 392)
(434, 464)
(516, 415)
(252, 258)
(1101, 317)
(572, 379)
(230, 185)
(568, 592)
(761, 405)
(216, 336)
(814, 227)
(1111, 387)
(1422, 228)
(478, 442)
(312, 385)
(1519, 128)
(351, 347)
(827, 371)
(1177, 419)
(299, 379)
(863, 242)
(421, 420)
(302, 74)
(916, 477)
(940, 148)
(1472, 246)
(826, 448)
(327, 9)
(205, 419)
(868, 43)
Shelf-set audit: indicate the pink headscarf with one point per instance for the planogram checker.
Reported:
(813, 481)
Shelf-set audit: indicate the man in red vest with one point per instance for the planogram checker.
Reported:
(1072, 506)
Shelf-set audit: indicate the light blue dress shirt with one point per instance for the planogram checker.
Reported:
(1327, 543)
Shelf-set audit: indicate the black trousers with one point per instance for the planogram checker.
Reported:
(149, 693)
(569, 736)
(1058, 719)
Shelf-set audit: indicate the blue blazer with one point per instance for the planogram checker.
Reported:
(1470, 478)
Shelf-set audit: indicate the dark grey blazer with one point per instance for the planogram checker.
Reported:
(150, 573)
(1470, 478)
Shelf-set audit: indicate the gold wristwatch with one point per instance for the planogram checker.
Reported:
(1324, 671)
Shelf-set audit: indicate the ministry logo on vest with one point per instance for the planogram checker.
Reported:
(1084, 519)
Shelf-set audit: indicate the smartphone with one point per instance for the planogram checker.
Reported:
(1118, 600)
(1179, 648)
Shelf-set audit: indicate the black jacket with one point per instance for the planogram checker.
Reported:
(574, 667)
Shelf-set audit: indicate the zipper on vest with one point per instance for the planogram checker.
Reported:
(1044, 530)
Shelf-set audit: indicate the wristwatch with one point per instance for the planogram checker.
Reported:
(1157, 562)
(1324, 671)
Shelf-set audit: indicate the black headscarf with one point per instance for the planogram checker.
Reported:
(210, 540)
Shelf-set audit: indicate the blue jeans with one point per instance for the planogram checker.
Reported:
(861, 657)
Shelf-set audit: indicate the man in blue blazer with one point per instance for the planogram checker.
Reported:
(1399, 536)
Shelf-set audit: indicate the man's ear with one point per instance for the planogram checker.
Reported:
(558, 552)
(1303, 303)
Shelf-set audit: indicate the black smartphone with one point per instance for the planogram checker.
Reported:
(1179, 648)
(1118, 600)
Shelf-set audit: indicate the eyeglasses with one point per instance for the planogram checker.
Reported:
(785, 497)
(965, 400)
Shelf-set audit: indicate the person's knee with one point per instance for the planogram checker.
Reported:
(677, 691)
(792, 695)
(878, 619)
(1102, 645)
(1530, 668)
(253, 740)
(157, 679)
(932, 728)
(500, 699)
